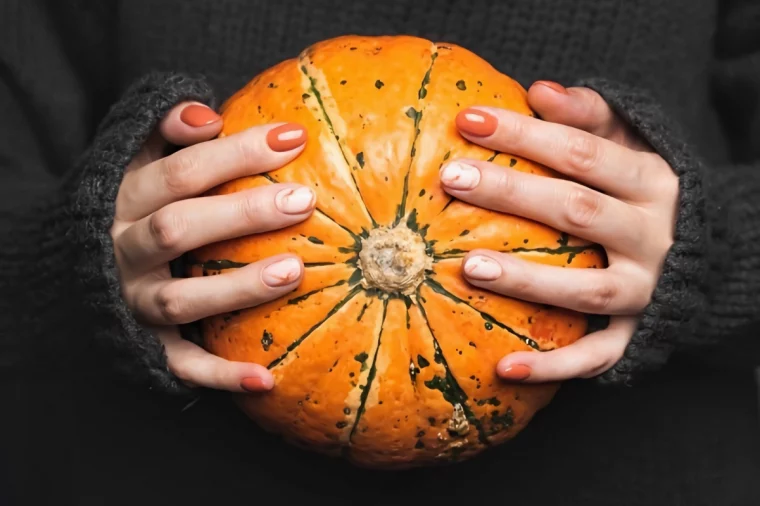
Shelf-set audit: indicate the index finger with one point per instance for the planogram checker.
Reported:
(598, 162)
(198, 168)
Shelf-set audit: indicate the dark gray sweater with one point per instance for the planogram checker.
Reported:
(82, 83)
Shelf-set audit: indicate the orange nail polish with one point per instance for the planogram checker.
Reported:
(286, 137)
(198, 116)
(476, 122)
(516, 372)
(554, 86)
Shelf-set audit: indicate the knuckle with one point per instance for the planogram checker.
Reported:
(521, 280)
(506, 186)
(178, 171)
(170, 305)
(582, 152)
(248, 151)
(252, 209)
(513, 128)
(582, 207)
(167, 229)
(599, 296)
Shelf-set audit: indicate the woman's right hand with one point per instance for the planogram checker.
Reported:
(160, 215)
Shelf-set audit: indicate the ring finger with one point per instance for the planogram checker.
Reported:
(558, 203)
(189, 224)
(611, 291)
(178, 301)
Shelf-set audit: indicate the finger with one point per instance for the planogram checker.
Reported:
(592, 160)
(179, 301)
(598, 291)
(587, 357)
(190, 123)
(185, 124)
(582, 108)
(197, 367)
(190, 224)
(564, 205)
(198, 168)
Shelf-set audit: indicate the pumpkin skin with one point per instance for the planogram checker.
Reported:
(388, 375)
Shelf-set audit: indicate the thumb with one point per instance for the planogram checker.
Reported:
(581, 108)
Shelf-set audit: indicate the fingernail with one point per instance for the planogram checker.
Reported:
(554, 86)
(482, 268)
(459, 176)
(295, 200)
(516, 372)
(256, 384)
(286, 137)
(476, 122)
(198, 115)
(281, 273)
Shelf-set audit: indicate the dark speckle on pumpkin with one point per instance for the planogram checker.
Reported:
(461, 85)
(343, 81)
(379, 84)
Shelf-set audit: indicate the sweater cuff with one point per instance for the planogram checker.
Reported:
(137, 353)
(670, 319)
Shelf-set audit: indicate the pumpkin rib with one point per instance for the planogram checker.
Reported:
(292, 346)
(449, 386)
(370, 375)
(363, 108)
(438, 288)
(329, 125)
(421, 94)
(560, 250)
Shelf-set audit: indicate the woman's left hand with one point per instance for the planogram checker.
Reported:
(625, 199)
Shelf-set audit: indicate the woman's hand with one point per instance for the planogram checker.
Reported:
(159, 216)
(625, 199)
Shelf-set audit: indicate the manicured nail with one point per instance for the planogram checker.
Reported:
(460, 176)
(198, 115)
(281, 273)
(516, 372)
(554, 86)
(256, 384)
(295, 200)
(286, 137)
(476, 122)
(482, 268)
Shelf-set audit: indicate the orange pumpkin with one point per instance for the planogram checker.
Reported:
(385, 354)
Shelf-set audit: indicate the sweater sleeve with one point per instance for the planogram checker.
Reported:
(709, 290)
(58, 279)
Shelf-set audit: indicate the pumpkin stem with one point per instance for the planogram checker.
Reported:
(394, 259)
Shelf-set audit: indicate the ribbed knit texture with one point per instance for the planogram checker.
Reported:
(58, 272)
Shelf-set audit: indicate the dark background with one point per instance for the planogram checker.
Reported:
(689, 437)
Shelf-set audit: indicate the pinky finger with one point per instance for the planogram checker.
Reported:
(589, 356)
(197, 367)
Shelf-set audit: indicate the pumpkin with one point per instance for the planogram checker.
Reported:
(385, 354)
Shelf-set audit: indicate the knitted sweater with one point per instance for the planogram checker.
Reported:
(82, 83)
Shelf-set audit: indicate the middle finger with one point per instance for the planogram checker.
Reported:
(190, 224)
(198, 168)
(558, 203)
